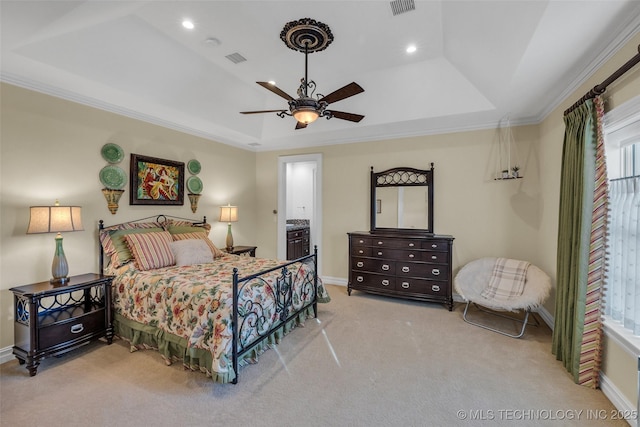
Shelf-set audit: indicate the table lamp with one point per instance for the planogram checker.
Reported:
(229, 214)
(56, 219)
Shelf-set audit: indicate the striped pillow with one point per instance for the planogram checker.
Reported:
(217, 253)
(151, 250)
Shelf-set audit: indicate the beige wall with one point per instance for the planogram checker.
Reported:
(486, 217)
(50, 149)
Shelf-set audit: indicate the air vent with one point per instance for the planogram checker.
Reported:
(236, 58)
(402, 6)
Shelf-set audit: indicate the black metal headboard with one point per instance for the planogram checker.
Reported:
(161, 219)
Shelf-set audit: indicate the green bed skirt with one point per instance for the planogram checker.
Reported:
(175, 348)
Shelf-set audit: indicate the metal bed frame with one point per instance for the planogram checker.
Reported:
(248, 324)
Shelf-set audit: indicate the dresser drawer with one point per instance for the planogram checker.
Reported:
(435, 257)
(62, 332)
(373, 265)
(421, 286)
(373, 280)
(398, 254)
(396, 243)
(360, 241)
(360, 251)
(436, 245)
(422, 270)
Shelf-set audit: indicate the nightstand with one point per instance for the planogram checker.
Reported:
(52, 319)
(243, 251)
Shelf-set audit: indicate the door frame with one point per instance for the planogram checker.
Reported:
(316, 224)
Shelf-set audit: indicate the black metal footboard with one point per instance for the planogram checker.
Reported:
(249, 318)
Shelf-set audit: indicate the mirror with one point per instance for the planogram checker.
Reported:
(402, 200)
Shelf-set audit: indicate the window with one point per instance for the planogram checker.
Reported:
(622, 284)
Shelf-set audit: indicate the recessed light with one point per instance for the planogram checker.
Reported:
(411, 48)
(188, 24)
(212, 41)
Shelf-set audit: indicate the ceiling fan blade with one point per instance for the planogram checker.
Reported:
(262, 111)
(342, 93)
(346, 116)
(300, 125)
(275, 89)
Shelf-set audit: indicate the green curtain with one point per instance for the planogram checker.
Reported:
(574, 233)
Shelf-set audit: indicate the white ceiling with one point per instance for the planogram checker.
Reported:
(477, 62)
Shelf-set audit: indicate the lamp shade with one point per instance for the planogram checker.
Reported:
(54, 219)
(228, 213)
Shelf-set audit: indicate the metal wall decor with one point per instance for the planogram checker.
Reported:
(111, 176)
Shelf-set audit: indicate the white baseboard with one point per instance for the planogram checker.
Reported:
(621, 403)
(6, 354)
(334, 280)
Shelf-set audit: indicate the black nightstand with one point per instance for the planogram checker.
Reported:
(243, 250)
(51, 319)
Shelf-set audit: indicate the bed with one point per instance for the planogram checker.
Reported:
(176, 292)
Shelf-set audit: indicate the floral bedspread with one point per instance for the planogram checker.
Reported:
(195, 302)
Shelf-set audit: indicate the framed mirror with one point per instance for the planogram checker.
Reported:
(402, 200)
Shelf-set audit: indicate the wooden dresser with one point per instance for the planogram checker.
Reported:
(404, 265)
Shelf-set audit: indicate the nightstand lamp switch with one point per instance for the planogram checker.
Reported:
(56, 219)
(229, 214)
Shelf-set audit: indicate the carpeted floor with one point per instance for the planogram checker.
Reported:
(367, 361)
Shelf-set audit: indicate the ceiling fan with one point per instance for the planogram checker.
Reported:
(308, 36)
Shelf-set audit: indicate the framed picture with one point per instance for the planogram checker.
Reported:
(156, 181)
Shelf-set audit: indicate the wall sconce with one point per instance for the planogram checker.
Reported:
(229, 214)
(56, 219)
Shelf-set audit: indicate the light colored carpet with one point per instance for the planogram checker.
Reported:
(368, 361)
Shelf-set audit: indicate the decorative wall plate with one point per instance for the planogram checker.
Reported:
(112, 153)
(113, 177)
(194, 185)
(194, 167)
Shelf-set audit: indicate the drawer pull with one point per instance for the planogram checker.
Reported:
(360, 279)
(380, 242)
(411, 245)
(379, 253)
(76, 329)
(434, 246)
(405, 269)
(412, 256)
(385, 282)
(360, 264)
(360, 251)
(405, 285)
(435, 272)
(435, 288)
(385, 267)
(360, 241)
(434, 257)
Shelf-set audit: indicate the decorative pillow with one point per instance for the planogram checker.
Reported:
(151, 250)
(217, 253)
(107, 243)
(178, 229)
(120, 245)
(191, 251)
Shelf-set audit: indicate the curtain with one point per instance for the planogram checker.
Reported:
(623, 297)
(581, 254)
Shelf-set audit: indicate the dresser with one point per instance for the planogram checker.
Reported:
(404, 265)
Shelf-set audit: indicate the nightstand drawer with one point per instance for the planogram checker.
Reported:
(72, 329)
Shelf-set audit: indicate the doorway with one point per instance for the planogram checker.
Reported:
(300, 197)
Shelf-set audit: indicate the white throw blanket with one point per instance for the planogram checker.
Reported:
(507, 280)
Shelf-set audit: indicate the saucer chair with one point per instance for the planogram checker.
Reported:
(473, 279)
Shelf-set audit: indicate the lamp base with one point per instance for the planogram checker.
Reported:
(59, 281)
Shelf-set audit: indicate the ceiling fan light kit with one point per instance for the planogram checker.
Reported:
(308, 35)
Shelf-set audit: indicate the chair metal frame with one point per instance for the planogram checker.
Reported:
(492, 312)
